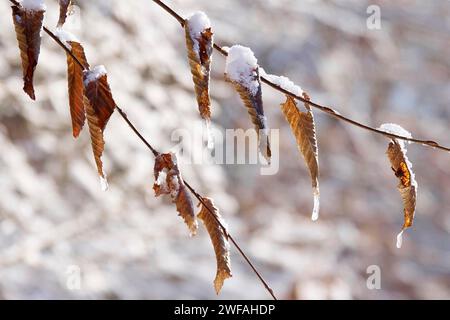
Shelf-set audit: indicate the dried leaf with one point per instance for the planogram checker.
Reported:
(407, 185)
(254, 105)
(99, 105)
(303, 127)
(76, 87)
(168, 181)
(219, 240)
(64, 6)
(28, 26)
(199, 54)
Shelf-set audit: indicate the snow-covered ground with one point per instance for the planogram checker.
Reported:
(55, 221)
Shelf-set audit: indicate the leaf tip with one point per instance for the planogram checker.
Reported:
(221, 276)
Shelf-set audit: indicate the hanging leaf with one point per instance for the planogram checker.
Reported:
(168, 181)
(219, 240)
(64, 6)
(28, 19)
(75, 86)
(303, 127)
(99, 105)
(75, 79)
(402, 168)
(199, 42)
(243, 72)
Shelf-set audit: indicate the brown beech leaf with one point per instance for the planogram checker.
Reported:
(64, 6)
(99, 105)
(254, 104)
(219, 240)
(76, 87)
(28, 24)
(407, 185)
(199, 43)
(304, 129)
(168, 181)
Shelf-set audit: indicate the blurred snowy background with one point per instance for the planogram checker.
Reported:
(55, 220)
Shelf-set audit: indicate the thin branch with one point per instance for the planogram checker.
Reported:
(156, 153)
(318, 106)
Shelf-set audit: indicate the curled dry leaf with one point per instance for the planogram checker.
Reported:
(64, 6)
(76, 87)
(168, 181)
(242, 71)
(199, 43)
(303, 127)
(407, 185)
(210, 215)
(99, 105)
(28, 26)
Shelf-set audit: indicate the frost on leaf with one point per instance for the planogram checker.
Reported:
(99, 105)
(243, 72)
(402, 168)
(210, 216)
(64, 6)
(168, 181)
(303, 127)
(28, 19)
(199, 43)
(75, 80)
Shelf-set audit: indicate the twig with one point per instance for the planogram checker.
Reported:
(318, 106)
(156, 153)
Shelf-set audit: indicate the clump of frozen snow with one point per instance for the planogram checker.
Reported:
(161, 181)
(94, 74)
(283, 82)
(395, 129)
(33, 5)
(198, 23)
(65, 37)
(242, 67)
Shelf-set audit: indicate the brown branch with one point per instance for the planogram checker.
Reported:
(156, 153)
(318, 106)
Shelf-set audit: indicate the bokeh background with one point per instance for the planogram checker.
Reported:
(128, 244)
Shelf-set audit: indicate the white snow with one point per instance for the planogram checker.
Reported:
(33, 5)
(175, 183)
(283, 82)
(66, 37)
(395, 129)
(161, 181)
(315, 213)
(95, 73)
(241, 67)
(198, 23)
